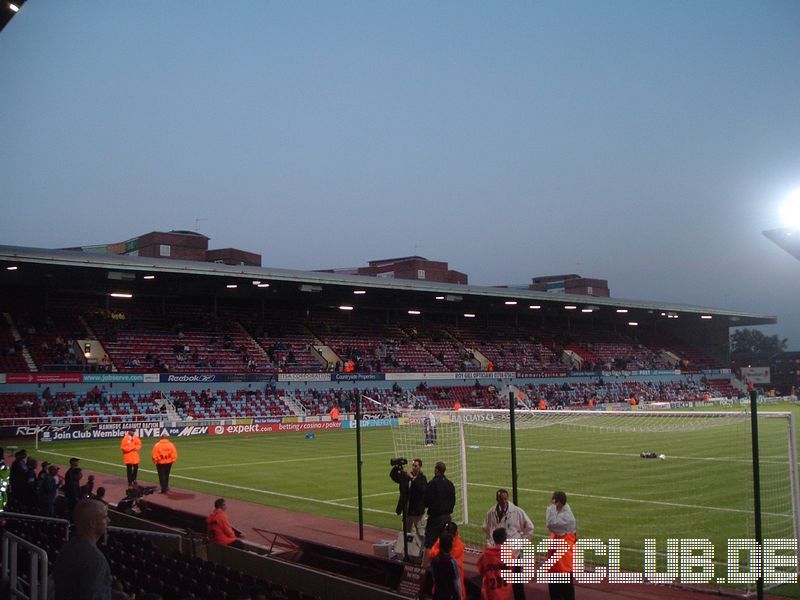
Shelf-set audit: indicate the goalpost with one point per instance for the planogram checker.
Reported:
(702, 488)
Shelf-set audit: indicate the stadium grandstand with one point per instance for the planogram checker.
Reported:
(95, 342)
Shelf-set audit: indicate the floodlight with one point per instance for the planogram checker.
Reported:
(790, 210)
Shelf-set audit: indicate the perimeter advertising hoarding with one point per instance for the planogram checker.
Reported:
(272, 427)
(357, 377)
(484, 375)
(304, 377)
(44, 378)
(52, 433)
(756, 374)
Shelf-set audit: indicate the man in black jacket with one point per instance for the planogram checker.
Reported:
(440, 499)
(412, 496)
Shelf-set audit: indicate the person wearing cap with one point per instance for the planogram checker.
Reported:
(164, 454)
(130, 446)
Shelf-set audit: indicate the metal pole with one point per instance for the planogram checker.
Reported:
(756, 484)
(512, 401)
(358, 468)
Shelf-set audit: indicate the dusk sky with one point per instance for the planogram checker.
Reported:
(647, 143)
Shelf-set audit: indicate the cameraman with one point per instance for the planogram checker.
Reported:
(412, 497)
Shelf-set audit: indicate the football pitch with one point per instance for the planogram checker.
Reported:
(702, 490)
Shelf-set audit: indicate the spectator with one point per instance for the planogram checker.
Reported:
(87, 490)
(19, 477)
(48, 491)
(444, 571)
(457, 552)
(72, 488)
(81, 570)
(100, 496)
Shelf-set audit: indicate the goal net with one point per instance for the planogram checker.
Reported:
(701, 488)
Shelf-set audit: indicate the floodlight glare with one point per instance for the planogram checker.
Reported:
(13, 7)
(790, 210)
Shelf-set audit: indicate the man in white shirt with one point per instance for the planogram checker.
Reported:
(517, 524)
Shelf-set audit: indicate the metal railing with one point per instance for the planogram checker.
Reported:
(35, 586)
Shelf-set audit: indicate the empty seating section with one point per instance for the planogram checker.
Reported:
(11, 359)
(373, 345)
(283, 337)
(509, 348)
(446, 348)
(143, 336)
(48, 334)
(182, 338)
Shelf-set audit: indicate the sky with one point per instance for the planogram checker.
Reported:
(647, 143)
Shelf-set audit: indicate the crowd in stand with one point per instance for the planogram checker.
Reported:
(210, 404)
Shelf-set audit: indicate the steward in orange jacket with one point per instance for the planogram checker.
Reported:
(219, 527)
(130, 446)
(493, 586)
(164, 454)
(561, 523)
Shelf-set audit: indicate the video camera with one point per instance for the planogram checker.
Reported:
(398, 462)
(132, 496)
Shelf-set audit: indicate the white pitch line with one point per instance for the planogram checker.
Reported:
(637, 501)
(232, 486)
(671, 456)
(364, 496)
(286, 460)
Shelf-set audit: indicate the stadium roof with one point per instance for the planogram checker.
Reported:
(71, 271)
(786, 238)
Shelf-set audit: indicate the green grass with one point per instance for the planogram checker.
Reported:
(702, 490)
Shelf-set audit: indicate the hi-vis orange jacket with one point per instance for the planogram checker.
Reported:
(164, 452)
(130, 446)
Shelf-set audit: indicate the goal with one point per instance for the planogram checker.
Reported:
(701, 488)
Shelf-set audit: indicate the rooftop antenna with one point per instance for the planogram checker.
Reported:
(197, 224)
